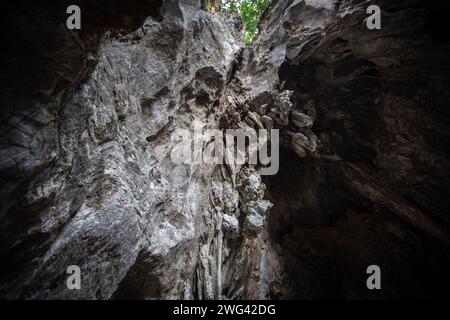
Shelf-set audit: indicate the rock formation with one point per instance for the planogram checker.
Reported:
(87, 177)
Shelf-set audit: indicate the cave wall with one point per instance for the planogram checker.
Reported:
(375, 191)
(87, 180)
(86, 173)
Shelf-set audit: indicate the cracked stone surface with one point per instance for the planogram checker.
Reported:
(87, 177)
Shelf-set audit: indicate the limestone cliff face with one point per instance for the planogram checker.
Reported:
(87, 177)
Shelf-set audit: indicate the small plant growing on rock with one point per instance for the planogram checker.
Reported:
(250, 11)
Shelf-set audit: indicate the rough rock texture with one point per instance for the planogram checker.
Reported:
(375, 188)
(89, 180)
(87, 177)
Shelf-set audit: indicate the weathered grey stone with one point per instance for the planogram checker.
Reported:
(260, 207)
(108, 198)
(281, 108)
(301, 120)
(301, 143)
(231, 225)
(254, 222)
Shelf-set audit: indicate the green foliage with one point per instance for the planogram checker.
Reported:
(251, 11)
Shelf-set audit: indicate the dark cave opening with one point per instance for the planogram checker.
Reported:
(327, 237)
(301, 197)
(327, 231)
